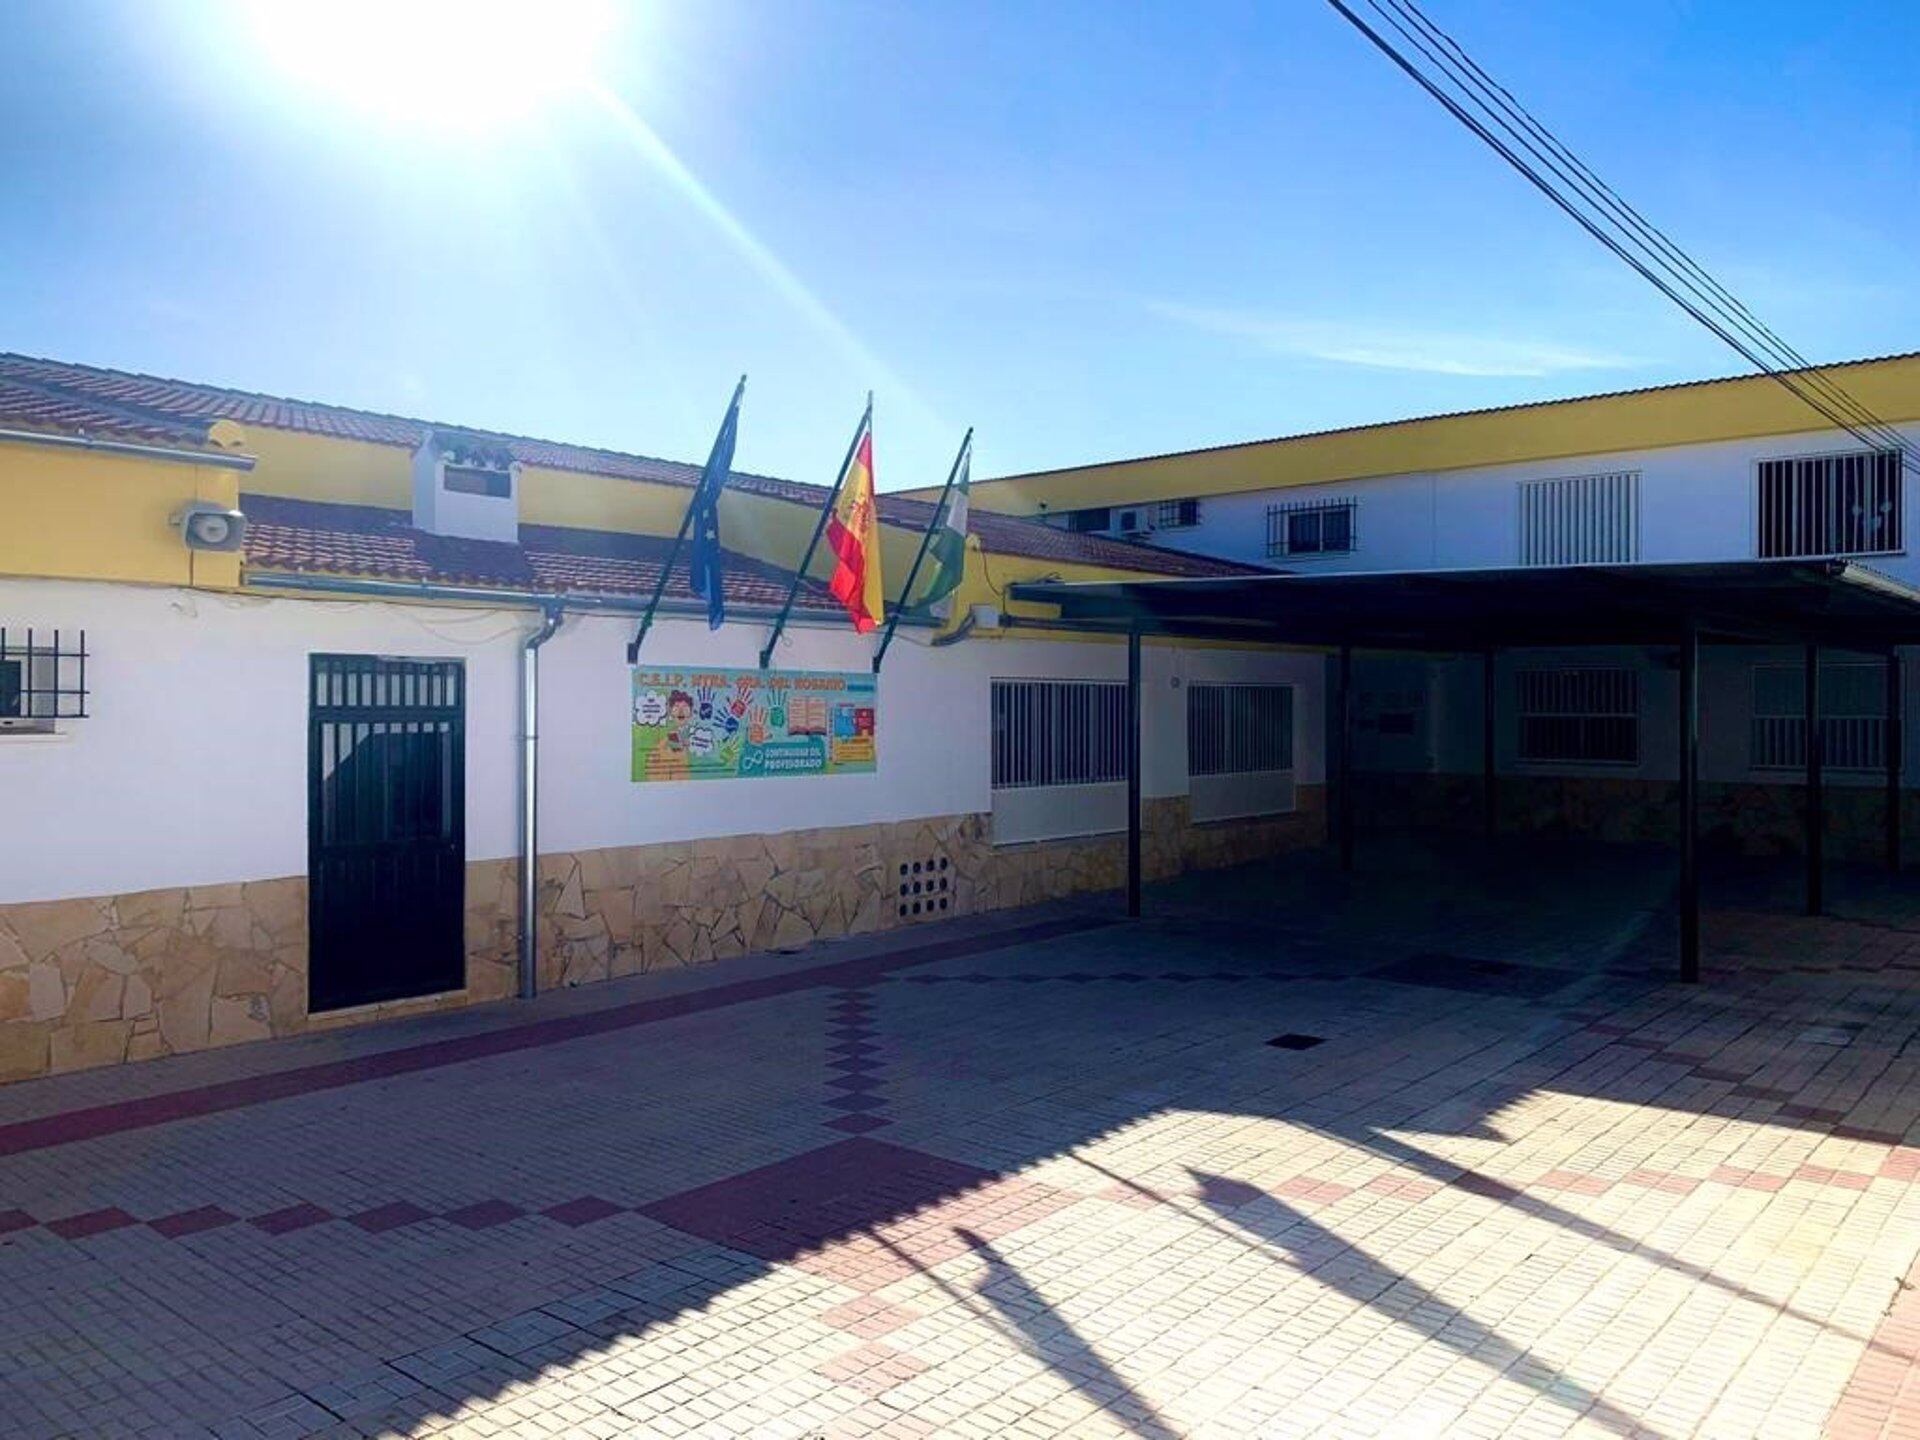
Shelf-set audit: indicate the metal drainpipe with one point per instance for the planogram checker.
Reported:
(530, 801)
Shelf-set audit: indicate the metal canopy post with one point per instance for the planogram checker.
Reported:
(1893, 749)
(1344, 793)
(1489, 781)
(1816, 817)
(1690, 803)
(1133, 773)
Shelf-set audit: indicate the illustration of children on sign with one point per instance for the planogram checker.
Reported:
(668, 760)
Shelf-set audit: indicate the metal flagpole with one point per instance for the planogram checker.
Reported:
(926, 543)
(819, 528)
(680, 539)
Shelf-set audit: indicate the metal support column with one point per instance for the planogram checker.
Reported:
(1895, 741)
(1489, 779)
(1134, 748)
(1344, 794)
(1690, 804)
(1816, 800)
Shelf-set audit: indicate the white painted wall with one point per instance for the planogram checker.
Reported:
(192, 767)
(1697, 503)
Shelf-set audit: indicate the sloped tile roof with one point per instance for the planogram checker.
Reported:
(83, 399)
(370, 542)
(27, 406)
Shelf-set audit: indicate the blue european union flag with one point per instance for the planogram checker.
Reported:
(705, 571)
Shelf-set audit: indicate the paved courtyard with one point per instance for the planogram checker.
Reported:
(1437, 1151)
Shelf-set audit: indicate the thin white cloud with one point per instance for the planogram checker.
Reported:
(1432, 352)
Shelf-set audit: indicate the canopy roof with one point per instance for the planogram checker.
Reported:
(1831, 602)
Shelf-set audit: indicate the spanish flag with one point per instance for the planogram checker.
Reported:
(853, 534)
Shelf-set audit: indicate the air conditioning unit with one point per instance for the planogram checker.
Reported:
(1132, 523)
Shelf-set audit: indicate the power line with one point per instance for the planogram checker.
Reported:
(1600, 211)
(1466, 74)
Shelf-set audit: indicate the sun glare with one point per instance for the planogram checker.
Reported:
(449, 65)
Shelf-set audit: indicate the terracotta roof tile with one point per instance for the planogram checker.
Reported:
(369, 542)
(55, 395)
(26, 406)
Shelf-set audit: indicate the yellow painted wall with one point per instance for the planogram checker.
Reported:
(353, 472)
(1653, 419)
(94, 515)
(300, 466)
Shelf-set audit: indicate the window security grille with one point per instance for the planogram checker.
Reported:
(43, 678)
(1239, 729)
(1058, 732)
(1580, 520)
(1310, 527)
(1818, 505)
(1177, 514)
(1853, 717)
(1583, 715)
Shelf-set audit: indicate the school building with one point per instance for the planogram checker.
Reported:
(1715, 473)
(310, 716)
(269, 678)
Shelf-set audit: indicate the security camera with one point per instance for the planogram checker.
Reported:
(206, 526)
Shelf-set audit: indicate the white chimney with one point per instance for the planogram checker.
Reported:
(466, 486)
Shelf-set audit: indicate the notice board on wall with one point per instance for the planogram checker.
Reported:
(691, 723)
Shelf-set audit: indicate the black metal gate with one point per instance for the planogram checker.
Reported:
(386, 827)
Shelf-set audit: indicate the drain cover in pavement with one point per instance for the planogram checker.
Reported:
(1296, 1042)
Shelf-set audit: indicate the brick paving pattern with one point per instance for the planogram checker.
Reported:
(1440, 1150)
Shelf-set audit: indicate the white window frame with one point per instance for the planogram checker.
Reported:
(1244, 778)
(1280, 525)
(1077, 785)
(1777, 736)
(1585, 717)
(1235, 745)
(1898, 524)
(1095, 755)
(1594, 538)
(1175, 508)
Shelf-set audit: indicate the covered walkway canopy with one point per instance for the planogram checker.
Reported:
(1817, 604)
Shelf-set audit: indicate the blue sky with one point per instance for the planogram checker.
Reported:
(1089, 230)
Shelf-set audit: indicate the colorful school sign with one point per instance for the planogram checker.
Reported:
(692, 724)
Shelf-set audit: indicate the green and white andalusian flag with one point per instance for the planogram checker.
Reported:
(947, 547)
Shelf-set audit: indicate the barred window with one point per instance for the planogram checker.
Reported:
(1177, 514)
(43, 678)
(1314, 527)
(1580, 714)
(1239, 729)
(1580, 520)
(1853, 716)
(1814, 505)
(1058, 732)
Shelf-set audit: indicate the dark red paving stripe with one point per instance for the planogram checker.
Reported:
(1882, 1397)
(294, 1217)
(94, 1222)
(390, 1216)
(11, 1220)
(583, 1211)
(485, 1214)
(858, 1124)
(89, 1124)
(192, 1222)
